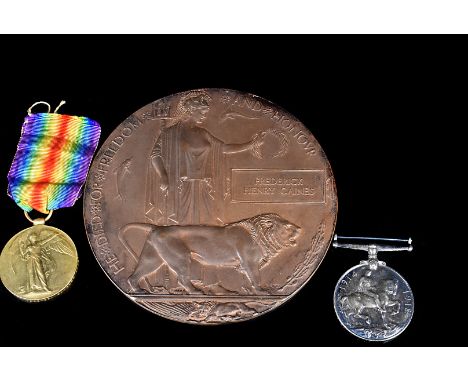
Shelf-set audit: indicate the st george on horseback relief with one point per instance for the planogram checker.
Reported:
(374, 304)
(208, 196)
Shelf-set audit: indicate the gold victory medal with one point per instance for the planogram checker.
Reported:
(47, 172)
(38, 263)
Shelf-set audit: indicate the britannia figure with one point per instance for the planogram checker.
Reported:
(186, 171)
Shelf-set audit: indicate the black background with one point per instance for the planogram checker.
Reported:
(381, 108)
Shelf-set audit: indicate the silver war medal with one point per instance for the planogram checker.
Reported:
(372, 301)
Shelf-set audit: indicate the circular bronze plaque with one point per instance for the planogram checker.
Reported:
(210, 206)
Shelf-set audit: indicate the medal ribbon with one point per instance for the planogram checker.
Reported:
(52, 160)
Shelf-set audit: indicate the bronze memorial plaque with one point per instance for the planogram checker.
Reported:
(210, 206)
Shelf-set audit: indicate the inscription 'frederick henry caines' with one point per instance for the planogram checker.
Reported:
(278, 186)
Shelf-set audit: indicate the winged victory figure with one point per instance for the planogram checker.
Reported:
(40, 264)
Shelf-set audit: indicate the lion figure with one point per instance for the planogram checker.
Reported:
(247, 245)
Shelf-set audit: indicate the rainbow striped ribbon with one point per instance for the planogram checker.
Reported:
(52, 160)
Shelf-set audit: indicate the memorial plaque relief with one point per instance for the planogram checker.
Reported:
(210, 206)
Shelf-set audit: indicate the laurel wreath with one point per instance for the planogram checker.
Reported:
(278, 134)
